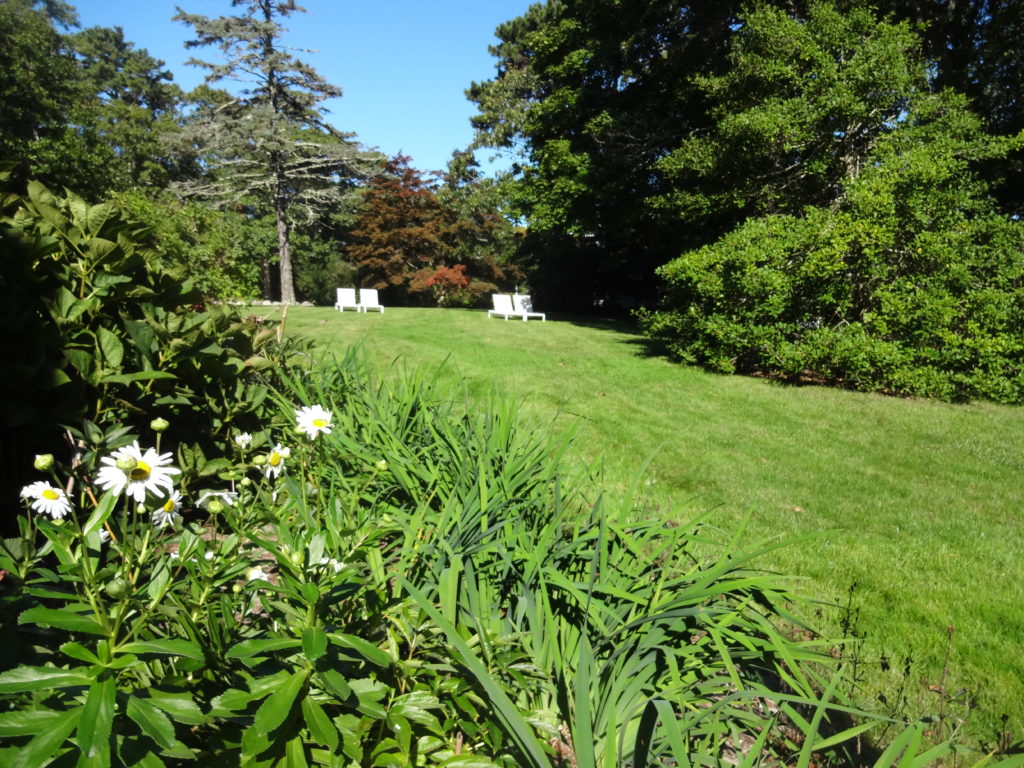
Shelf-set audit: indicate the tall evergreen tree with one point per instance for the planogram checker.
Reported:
(136, 105)
(268, 144)
(85, 110)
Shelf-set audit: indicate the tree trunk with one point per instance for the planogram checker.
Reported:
(284, 251)
(266, 284)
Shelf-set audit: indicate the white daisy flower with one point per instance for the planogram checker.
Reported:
(167, 513)
(151, 471)
(243, 440)
(275, 461)
(313, 419)
(47, 499)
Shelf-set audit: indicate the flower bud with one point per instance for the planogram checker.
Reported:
(159, 425)
(245, 482)
(127, 464)
(236, 588)
(296, 558)
(116, 587)
(215, 506)
(382, 465)
(260, 460)
(43, 462)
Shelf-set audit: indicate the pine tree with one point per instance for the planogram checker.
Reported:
(269, 143)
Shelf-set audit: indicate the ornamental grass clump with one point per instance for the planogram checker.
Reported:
(410, 582)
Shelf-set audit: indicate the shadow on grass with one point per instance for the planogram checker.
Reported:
(626, 326)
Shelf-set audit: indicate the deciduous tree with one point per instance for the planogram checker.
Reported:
(424, 245)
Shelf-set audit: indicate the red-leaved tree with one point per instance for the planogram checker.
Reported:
(410, 245)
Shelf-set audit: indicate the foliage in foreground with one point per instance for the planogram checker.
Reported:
(103, 326)
(408, 584)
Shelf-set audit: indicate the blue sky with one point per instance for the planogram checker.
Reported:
(403, 64)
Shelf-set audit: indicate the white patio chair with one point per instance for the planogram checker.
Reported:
(368, 300)
(522, 304)
(346, 298)
(502, 305)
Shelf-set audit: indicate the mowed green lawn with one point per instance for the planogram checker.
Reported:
(917, 506)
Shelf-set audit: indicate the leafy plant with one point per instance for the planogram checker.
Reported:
(895, 272)
(405, 584)
(103, 327)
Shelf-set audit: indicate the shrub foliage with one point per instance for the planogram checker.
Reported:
(416, 587)
(900, 275)
(101, 328)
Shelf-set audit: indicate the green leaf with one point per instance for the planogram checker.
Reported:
(111, 347)
(278, 705)
(213, 466)
(414, 706)
(319, 724)
(295, 753)
(60, 618)
(106, 279)
(143, 337)
(469, 761)
(332, 681)
(403, 732)
(179, 706)
(153, 722)
(45, 746)
(100, 515)
(100, 249)
(97, 217)
(515, 725)
(79, 652)
(28, 723)
(128, 378)
(97, 717)
(22, 679)
(314, 643)
(166, 647)
(231, 702)
(84, 363)
(366, 649)
(248, 648)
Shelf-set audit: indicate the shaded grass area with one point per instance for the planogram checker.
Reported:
(915, 506)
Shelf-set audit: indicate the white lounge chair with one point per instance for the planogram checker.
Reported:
(368, 300)
(502, 305)
(522, 304)
(346, 298)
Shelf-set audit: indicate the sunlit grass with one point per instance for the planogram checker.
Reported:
(916, 505)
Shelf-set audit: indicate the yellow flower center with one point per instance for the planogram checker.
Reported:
(320, 423)
(140, 472)
(275, 459)
(50, 494)
(169, 505)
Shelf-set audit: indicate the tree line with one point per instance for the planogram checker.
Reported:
(819, 191)
(249, 185)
